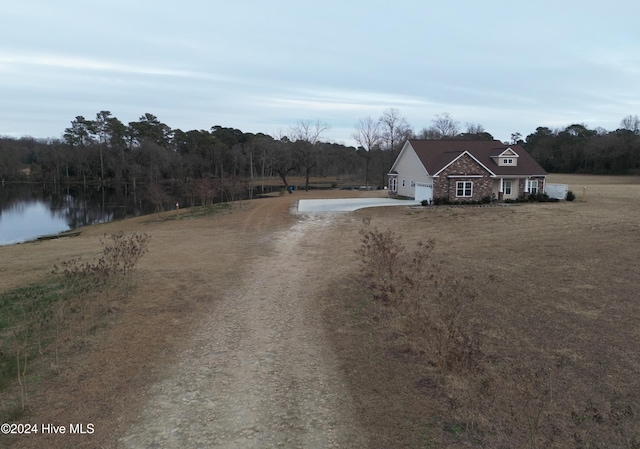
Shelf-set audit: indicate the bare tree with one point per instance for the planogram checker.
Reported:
(445, 125)
(395, 130)
(282, 156)
(631, 123)
(429, 134)
(309, 134)
(158, 196)
(309, 131)
(474, 128)
(368, 136)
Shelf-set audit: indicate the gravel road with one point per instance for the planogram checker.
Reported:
(258, 373)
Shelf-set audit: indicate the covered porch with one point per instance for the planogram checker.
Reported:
(510, 188)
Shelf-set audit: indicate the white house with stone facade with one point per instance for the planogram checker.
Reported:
(463, 170)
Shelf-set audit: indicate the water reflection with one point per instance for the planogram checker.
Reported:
(27, 220)
(30, 210)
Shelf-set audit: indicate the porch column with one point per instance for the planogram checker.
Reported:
(501, 190)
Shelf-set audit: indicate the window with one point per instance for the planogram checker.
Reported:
(532, 186)
(464, 188)
(403, 183)
(507, 161)
(507, 187)
(393, 184)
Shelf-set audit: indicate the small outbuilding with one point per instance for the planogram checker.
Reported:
(464, 170)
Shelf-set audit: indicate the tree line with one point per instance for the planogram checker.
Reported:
(108, 152)
(578, 149)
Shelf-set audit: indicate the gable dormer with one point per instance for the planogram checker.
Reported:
(508, 158)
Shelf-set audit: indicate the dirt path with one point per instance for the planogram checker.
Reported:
(257, 372)
(220, 342)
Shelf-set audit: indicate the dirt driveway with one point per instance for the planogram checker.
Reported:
(257, 373)
(221, 344)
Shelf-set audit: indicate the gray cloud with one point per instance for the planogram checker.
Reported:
(260, 66)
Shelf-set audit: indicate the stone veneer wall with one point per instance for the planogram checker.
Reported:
(521, 184)
(446, 187)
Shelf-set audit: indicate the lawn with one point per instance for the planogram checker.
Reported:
(555, 309)
(551, 309)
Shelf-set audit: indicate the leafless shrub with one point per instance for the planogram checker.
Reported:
(485, 400)
(428, 304)
(20, 333)
(121, 253)
(28, 325)
(389, 269)
(158, 196)
(190, 188)
(41, 318)
(206, 189)
(233, 187)
(89, 286)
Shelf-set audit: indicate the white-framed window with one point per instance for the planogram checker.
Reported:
(507, 187)
(464, 189)
(393, 184)
(507, 161)
(532, 186)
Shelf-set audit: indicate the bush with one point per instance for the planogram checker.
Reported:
(390, 269)
(426, 305)
(535, 197)
(438, 201)
(570, 196)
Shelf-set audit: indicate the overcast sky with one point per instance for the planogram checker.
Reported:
(260, 66)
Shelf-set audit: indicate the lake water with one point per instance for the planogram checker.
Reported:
(29, 220)
(28, 211)
(31, 210)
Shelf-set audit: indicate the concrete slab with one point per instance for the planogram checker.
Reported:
(350, 204)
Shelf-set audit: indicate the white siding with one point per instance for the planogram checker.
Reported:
(409, 169)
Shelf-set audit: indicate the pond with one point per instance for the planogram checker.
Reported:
(31, 210)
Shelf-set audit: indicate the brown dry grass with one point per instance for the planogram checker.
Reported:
(557, 305)
(191, 263)
(556, 293)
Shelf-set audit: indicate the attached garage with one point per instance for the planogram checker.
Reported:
(423, 191)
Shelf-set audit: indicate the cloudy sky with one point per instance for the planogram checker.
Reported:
(261, 66)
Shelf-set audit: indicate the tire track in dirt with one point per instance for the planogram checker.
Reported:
(258, 373)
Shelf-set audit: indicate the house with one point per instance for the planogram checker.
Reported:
(463, 170)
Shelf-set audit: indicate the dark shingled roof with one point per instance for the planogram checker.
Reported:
(437, 154)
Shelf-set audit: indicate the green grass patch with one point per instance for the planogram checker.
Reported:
(21, 300)
(22, 311)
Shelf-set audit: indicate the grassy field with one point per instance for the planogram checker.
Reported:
(556, 312)
(551, 301)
